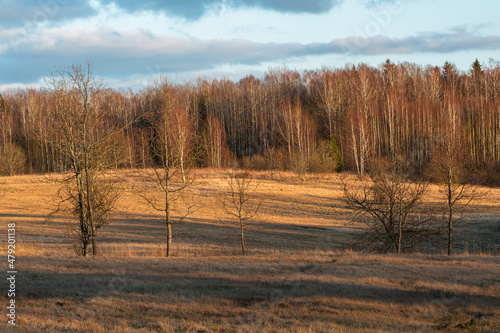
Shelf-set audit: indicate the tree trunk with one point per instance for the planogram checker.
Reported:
(94, 242)
(450, 231)
(450, 206)
(183, 173)
(90, 215)
(242, 239)
(83, 225)
(169, 237)
(400, 236)
(167, 219)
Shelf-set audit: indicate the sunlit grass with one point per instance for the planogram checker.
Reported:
(299, 274)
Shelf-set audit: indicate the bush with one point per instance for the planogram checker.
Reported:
(256, 162)
(12, 160)
(322, 160)
(259, 163)
(488, 174)
(274, 159)
(299, 164)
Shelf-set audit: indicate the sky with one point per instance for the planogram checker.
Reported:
(133, 43)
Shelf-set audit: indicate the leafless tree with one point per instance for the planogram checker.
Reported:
(172, 162)
(215, 142)
(387, 202)
(451, 167)
(359, 142)
(298, 132)
(239, 201)
(82, 133)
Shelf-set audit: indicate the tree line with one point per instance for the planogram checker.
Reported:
(397, 123)
(317, 121)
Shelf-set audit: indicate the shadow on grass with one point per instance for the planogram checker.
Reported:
(245, 291)
(206, 232)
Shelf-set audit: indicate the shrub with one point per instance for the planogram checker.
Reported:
(274, 159)
(322, 160)
(299, 164)
(12, 160)
(258, 162)
(488, 174)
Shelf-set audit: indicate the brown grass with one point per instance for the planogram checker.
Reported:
(299, 275)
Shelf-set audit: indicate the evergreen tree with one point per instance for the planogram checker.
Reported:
(336, 155)
(477, 68)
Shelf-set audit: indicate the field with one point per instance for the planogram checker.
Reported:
(300, 273)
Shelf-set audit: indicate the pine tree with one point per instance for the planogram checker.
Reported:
(336, 155)
(477, 68)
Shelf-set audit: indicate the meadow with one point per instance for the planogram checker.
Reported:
(300, 273)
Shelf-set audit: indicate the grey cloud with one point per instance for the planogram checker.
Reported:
(189, 9)
(15, 13)
(194, 9)
(291, 6)
(458, 39)
(26, 69)
(135, 53)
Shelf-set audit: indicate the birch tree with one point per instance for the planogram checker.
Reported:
(240, 202)
(172, 161)
(451, 166)
(82, 133)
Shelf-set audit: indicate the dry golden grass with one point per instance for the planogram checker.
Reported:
(298, 276)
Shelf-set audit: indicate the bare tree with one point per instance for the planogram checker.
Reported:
(298, 132)
(387, 203)
(7, 123)
(83, 134)
(327, 90)
(451, 167)
(239, 201)
(215, 142)
(172, 161)
(359, 142)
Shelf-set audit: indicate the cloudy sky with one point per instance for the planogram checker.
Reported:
(132, 42)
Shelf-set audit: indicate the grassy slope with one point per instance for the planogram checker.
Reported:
(296, 277)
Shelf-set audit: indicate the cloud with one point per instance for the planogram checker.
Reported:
(126, 53)
(290, 6)
(457, 39)
(188, 9)
(376, 3)
(195, 9)
(16, 13)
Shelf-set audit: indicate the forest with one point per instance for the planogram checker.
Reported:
(317, 121)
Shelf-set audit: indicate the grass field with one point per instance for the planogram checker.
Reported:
(300, 274)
